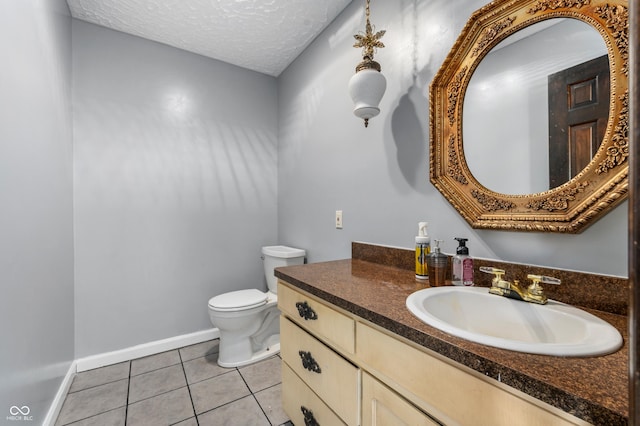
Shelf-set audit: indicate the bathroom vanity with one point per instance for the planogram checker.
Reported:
(354, 355)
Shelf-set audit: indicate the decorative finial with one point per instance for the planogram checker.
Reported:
(369, 41)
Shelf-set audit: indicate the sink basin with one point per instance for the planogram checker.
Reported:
(552, 329)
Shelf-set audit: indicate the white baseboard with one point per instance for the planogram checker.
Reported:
(109, 358)
(56, 405)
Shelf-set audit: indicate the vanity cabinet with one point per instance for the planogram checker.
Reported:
(334, 379)
(343, 369)
(312, 338)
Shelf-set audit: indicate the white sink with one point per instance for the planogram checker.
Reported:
(552, 329)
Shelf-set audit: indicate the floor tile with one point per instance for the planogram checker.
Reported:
(263, 374)
(163, 389)
(199, 350)
(203, 368)
(156, 382)
(100, 376)
(217, 391)
(154, 362)
(89, 402)
(110, 418)
(270, 401)
(166, 409)
(245, 411)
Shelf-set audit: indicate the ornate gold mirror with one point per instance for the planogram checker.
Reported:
(549, 168)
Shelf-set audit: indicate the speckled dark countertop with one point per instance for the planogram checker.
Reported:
(593, 389)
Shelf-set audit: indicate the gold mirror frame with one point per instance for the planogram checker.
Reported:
(571, 207)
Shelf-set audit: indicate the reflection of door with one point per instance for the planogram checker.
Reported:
(578, 114)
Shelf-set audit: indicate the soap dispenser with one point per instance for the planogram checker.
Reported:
(462, 265)
(423, 248)
(437, 263)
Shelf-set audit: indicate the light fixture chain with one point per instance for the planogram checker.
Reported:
(367, 12)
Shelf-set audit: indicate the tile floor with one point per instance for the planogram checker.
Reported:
(184, 387)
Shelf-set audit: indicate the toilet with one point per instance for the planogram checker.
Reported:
(248, 320)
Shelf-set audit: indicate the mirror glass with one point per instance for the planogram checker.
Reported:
(506, 110)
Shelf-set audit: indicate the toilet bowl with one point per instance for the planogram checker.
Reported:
(248, 320)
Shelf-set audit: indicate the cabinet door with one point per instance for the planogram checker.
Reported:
(451, 394)
(381, 407)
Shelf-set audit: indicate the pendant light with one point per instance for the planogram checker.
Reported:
(368, 84)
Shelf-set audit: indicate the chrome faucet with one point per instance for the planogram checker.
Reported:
(533, 293)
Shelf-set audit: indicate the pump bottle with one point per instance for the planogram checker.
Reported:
(437, 262)
(462, 265)
(423, 248)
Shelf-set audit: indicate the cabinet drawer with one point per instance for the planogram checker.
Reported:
(328, 324)
(330, 376)
(460, 397)
(382, 406)
(300, 403)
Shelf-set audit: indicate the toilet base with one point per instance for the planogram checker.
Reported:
(269, 351)
(247, 336)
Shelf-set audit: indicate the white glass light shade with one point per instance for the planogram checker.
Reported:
(366, 88)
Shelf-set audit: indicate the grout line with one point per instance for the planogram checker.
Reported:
(209, 378)
(195, 414)
(155, 355)
(126, 406)
(155, 369)
(254, 396)
(243, 379)
(161, 393)
(260, 406)
(95, 414)
(227, 403)
(91, 416)
(235, 400)
(97, 386)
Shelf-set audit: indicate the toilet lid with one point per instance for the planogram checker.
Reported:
(238, 300)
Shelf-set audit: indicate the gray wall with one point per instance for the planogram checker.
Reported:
(175, 171)
(36, 219)
(378, 176)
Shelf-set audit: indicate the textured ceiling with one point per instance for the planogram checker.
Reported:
(261, 35)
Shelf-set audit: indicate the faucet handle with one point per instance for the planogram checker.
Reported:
(537, 279)
(497, 279)
(536, 290)
(492, 270)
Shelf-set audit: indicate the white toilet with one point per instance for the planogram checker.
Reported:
(248, 320)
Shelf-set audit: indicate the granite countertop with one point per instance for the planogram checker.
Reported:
(594, 389)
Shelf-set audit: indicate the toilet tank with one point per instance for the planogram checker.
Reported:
(276, 256)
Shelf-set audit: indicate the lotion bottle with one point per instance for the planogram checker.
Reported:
(423, 248)
(462, 265)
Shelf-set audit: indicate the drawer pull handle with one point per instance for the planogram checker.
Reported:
(309, 420)
(309, 363)
(306, 312)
